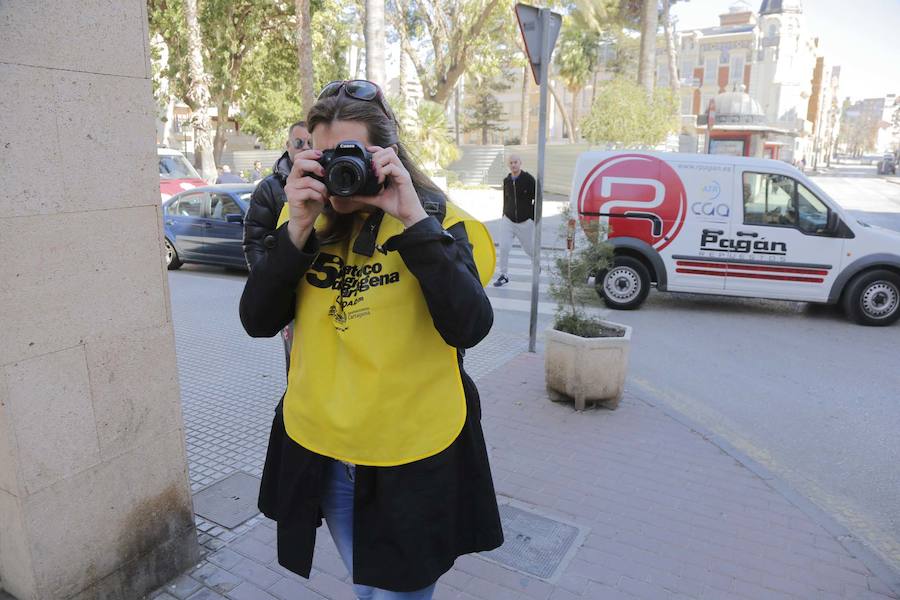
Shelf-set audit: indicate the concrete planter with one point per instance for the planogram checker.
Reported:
(586, 369)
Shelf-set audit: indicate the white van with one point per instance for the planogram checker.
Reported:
(734, 226)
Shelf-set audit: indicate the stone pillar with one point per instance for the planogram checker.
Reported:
(94, 494)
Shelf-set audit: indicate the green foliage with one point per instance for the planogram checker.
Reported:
(595, 15)
(576, 56)
(628, 52)
(250, 55)
(622, 115)
(483, 112)
(431, 140)
(444, 38)
(570, 276)
(270, 100)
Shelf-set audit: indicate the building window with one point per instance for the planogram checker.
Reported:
(737, 69)
(687, 69)
(686, 102)
(710, 70)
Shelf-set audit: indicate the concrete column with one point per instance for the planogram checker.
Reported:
(94, 494)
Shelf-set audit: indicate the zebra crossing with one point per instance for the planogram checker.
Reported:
(516, 295)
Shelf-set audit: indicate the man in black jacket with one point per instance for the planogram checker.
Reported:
(265, 207)
(268, 197)
(518, 214)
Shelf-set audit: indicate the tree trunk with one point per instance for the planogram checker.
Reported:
(562, 110)
(484, 132)
(304, 56)
(573, 133)
(594, 87)
(670, 50)
(647, 65)
(220, 139)
(169, 125)
(375, 41)
(526, 103)
(404, 101)
(199, 94)
(456, 111)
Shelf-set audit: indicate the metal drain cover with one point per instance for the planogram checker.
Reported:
(230, 501)
(533, 544)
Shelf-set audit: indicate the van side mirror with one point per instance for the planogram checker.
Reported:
(234, 219)
(834, 221)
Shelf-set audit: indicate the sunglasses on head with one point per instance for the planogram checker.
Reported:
(359, 89)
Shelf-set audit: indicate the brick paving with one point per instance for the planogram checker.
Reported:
(666, 512)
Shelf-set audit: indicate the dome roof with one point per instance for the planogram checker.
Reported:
(738, 108)
(737, 103)
(777, 6)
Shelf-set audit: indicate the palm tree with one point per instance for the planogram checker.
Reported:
(577, 60)
(649, 26)
(670, 47)
(303, 38)
(432, 140)
(375, 41)
(199, 94)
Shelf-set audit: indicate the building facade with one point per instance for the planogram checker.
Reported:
(769, 55)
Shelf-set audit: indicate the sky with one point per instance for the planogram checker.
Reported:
(859, 35)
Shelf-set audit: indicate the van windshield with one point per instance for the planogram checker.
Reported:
(176, 167)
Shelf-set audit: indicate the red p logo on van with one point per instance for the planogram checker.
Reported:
(635, 195)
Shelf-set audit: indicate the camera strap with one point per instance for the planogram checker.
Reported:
(365, 241)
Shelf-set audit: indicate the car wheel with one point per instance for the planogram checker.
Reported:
(172, 260)
(624, 286)
(873, 298)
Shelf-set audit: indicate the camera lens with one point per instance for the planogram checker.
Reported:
(345, 176)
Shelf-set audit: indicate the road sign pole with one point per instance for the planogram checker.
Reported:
(539, 192)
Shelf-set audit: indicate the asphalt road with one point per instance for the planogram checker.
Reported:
(796, 386)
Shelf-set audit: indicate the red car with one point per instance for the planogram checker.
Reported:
(176, 174)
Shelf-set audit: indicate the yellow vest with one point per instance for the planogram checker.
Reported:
(371, 380)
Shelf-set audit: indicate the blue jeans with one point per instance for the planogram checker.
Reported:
(337, 506)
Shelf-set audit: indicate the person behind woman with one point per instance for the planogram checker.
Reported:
(379, 430)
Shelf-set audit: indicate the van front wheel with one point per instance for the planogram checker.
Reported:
(625, 285)
(873, 298)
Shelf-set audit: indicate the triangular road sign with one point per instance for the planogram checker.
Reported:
(529, 18)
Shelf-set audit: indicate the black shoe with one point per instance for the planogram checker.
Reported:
(502, 280)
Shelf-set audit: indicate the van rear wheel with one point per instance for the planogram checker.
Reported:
(873, 298)
(625, 285)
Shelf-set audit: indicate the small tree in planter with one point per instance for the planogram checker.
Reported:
(585, 357)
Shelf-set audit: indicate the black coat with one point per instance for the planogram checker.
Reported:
(265, 206)
(518, 197)
(411, 521)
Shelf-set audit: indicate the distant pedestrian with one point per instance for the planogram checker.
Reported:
(256, 173)
(518, 214)
(228, 177)
(268, 197)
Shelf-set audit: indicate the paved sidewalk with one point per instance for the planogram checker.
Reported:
(667, 514)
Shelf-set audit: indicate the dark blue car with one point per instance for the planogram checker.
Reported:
(206, 225)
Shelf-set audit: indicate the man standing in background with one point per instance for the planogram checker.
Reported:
(256, 174)
(518, 214)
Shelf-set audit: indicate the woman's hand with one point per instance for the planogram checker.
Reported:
(399, 199)
(306, 196)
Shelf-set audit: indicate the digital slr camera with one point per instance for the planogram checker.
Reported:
(348, 170)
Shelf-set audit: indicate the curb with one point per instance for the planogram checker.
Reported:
(855, 547)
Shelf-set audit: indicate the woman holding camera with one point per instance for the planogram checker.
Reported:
(379, 430)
